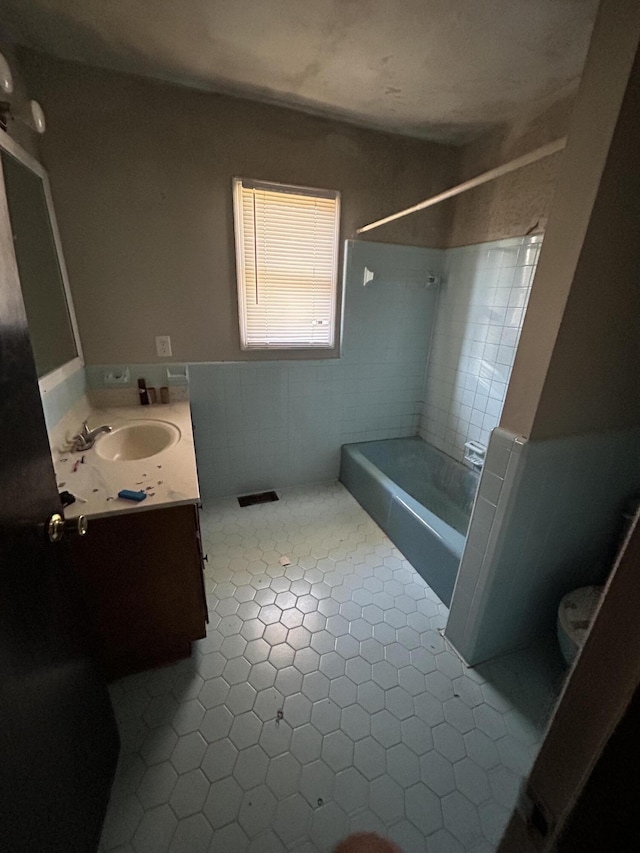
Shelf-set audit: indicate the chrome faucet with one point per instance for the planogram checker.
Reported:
(85, 439)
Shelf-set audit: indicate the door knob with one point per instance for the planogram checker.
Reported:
(57, 526)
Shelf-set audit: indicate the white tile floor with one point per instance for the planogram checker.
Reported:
(323, 700)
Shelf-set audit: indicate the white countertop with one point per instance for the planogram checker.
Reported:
(170, 477)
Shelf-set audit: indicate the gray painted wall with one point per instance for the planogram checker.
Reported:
(141, 176)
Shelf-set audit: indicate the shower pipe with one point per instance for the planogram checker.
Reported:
(511, 166)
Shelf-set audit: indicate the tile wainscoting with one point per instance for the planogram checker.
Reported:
(547, 519)
(269, 424)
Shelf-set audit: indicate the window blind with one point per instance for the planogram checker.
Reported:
(286, 258)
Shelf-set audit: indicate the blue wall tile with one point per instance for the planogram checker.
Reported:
(268, 424)
(57, 402)
(556, 528)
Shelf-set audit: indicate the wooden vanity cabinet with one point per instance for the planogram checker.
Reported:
(140, 575)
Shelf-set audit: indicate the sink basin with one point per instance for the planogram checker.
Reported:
(137, 440)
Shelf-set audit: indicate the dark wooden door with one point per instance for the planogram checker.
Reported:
(58, 738)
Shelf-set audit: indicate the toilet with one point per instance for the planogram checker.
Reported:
(575, 614)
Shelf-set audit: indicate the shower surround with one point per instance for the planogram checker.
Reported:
(483, 298)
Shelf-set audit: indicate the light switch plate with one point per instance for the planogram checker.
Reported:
(163, 346)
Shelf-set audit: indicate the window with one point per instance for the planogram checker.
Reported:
(286, 261)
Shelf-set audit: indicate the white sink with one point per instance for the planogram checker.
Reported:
(137, 440)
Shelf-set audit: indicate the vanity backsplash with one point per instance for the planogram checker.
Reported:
(118, 385)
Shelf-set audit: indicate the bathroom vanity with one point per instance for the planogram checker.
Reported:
(139, 569)
(140, 576)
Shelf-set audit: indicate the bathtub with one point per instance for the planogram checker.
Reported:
(420, 497)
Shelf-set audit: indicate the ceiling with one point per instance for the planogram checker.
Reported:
(435, 69)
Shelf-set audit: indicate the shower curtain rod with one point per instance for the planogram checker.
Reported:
(511, 166)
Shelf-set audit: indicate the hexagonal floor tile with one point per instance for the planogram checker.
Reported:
(461, 818)
(189, 794)
(355, 722)
(386, 798)
(157, 784)
(251, 767)
(315, 686)
(267, 704)
(297, 710)
(262, 675)
(223, 802)
(423, 809)
(288, 681)
(219, 759)
(213, 692)
(193, 834)
(490, 721)
(385, 728)
(306, 744)
(315, 621)
(402, 765)
(332, 664)
(155, 830)
(347, 647)
(325, 716)
(411, 680)
(399, 702)
(188, 752)
(306, 660)
(158, 745)
(241, 698)
(283, 775)
(481, 749)
(292, 617)
(472, 781)
(281, 656)
(374, 702)
(245, 730)
(369, 758)
(459, 715)
(437, 772)
(292, 820)
(316, 783)
(257, 651)
(329, 824)
(384, 674)
(236, 671)
(337, 750)
(351, 791)
(342, 691)
(257, 810)
(275, 737)
(370, 696)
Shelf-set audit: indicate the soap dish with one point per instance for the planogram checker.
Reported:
(474, 453)
(178, 374)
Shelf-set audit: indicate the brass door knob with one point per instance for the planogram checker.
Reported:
(57, 526)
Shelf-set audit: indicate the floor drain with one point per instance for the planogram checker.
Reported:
(258, 498)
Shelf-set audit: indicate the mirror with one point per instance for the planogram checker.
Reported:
(36, 245)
